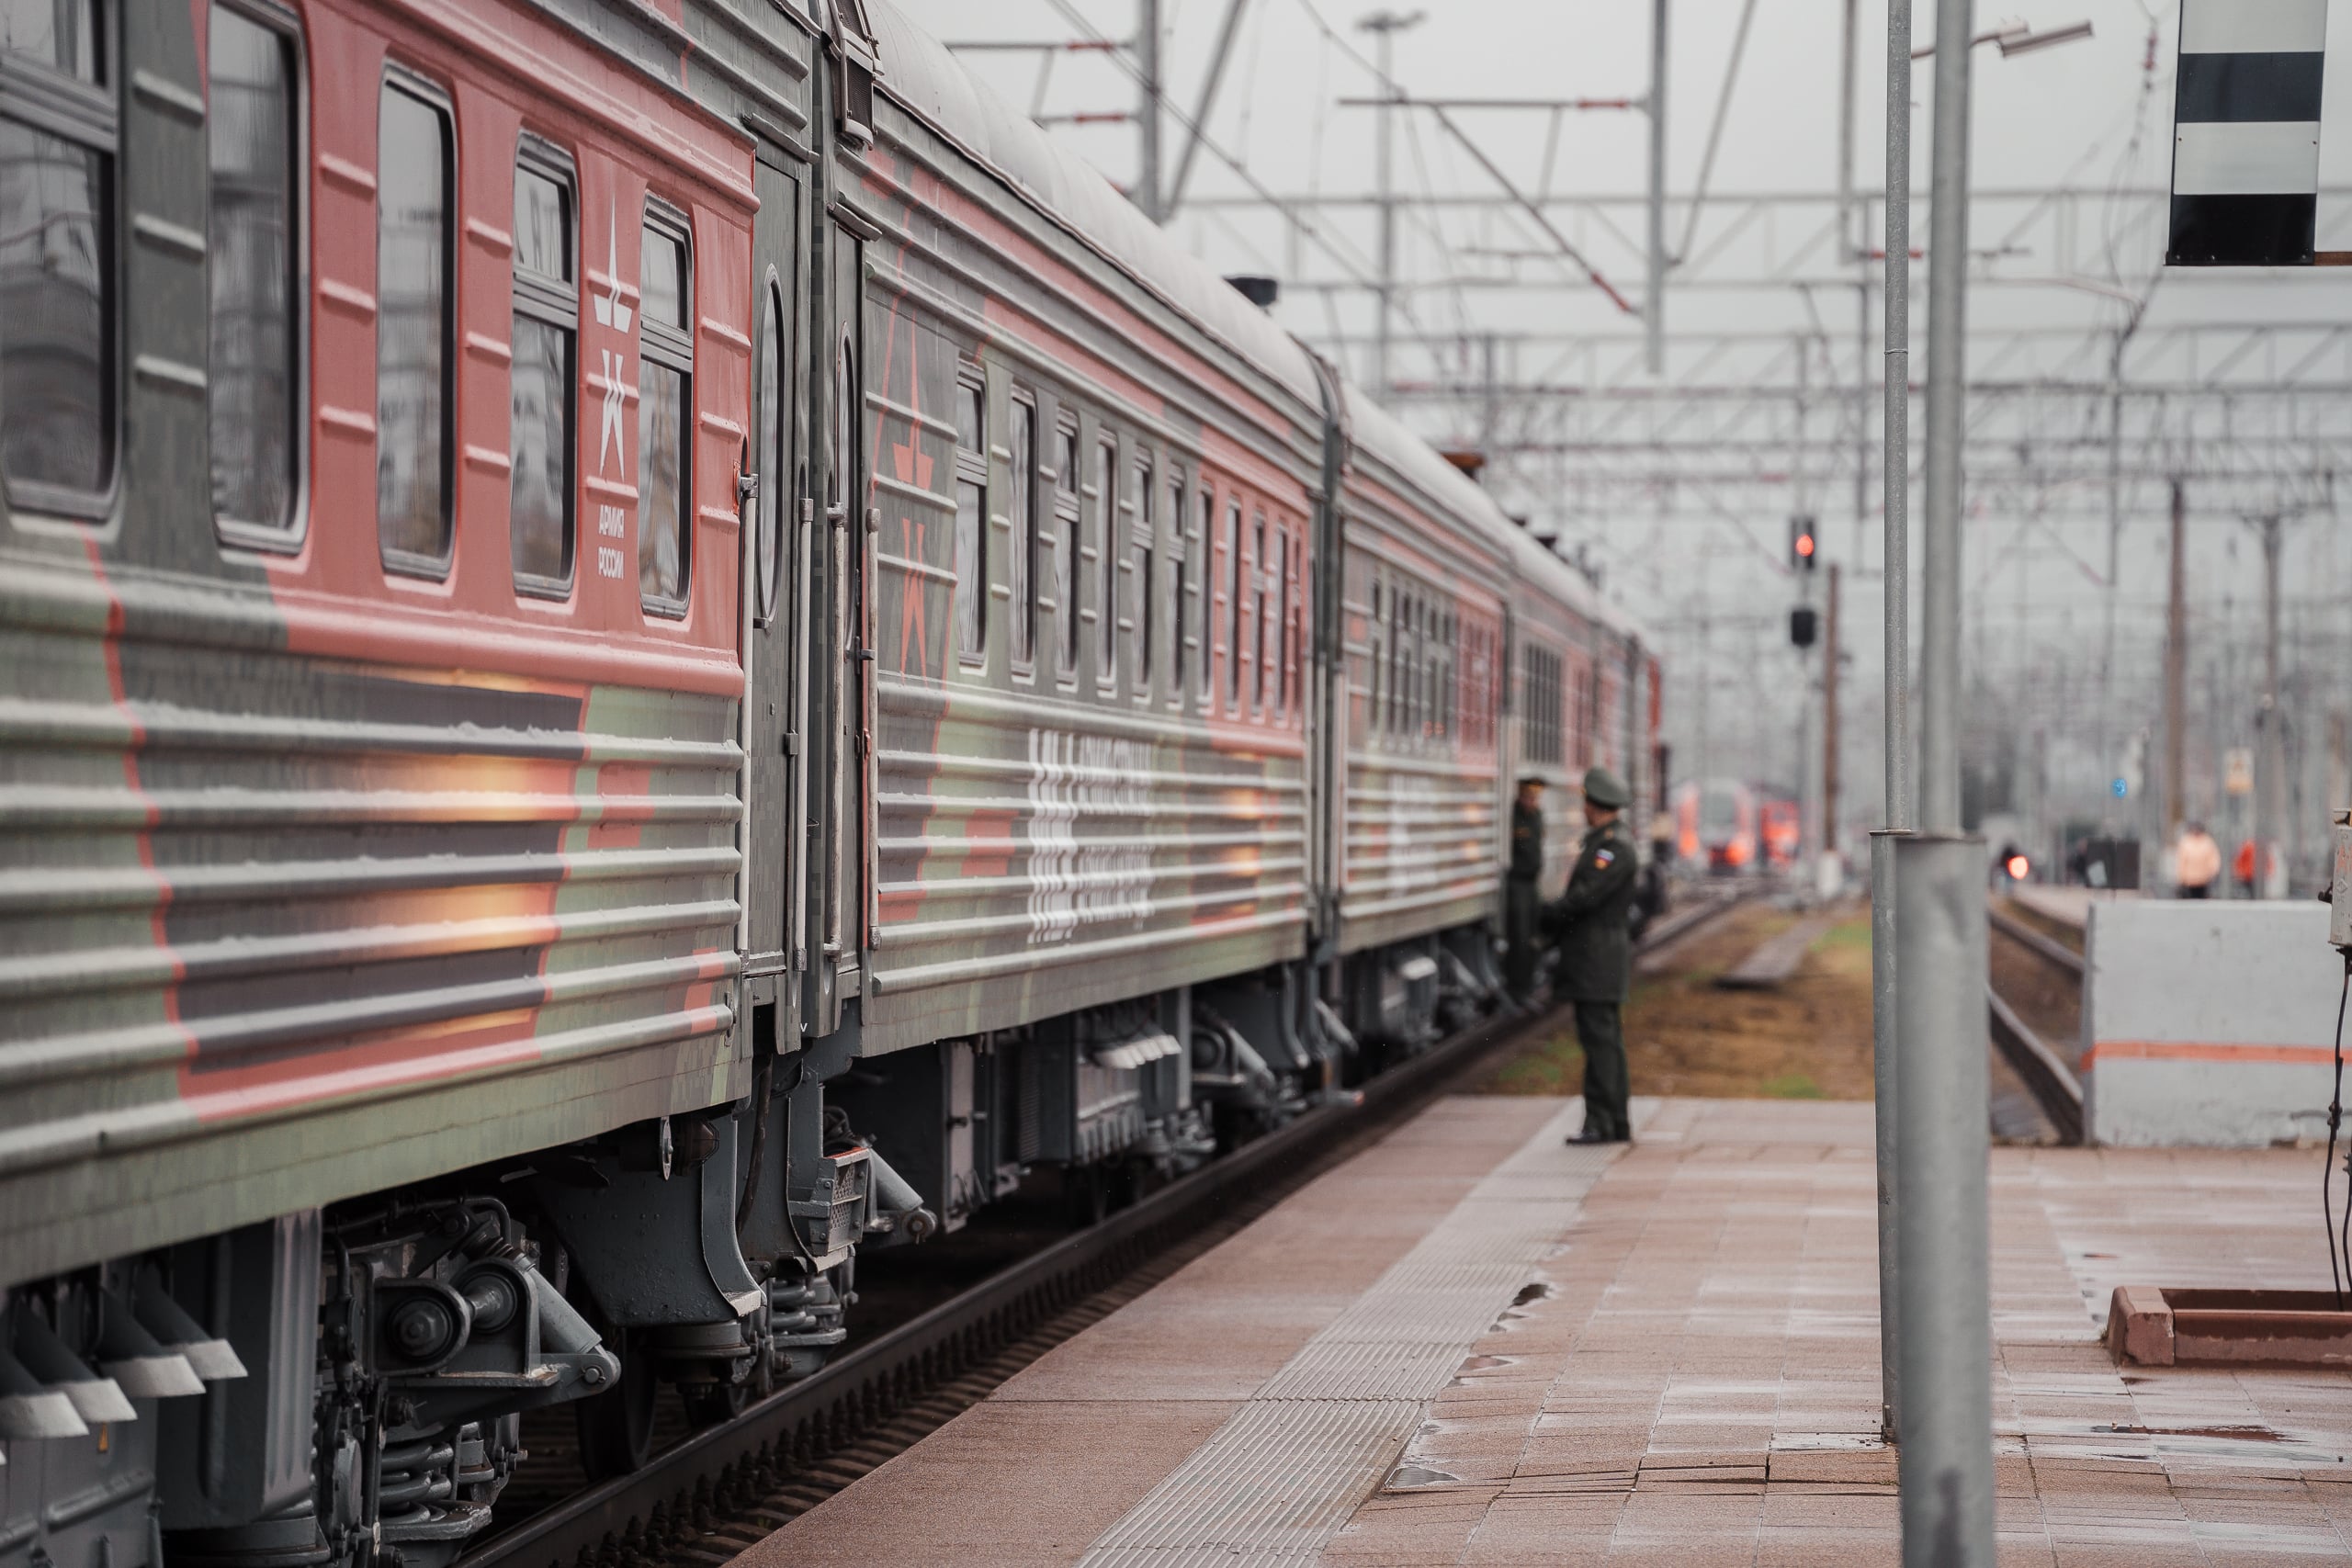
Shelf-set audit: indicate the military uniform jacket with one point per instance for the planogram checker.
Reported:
(1526, 844)
(1596, 947)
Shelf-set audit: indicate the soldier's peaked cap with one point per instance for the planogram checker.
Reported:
(1606, 790)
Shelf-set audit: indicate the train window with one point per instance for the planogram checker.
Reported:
(1107, 555)
(1145, 536)
(1283, 615)
(1262, 651)
(539, 396)
(253, 374)
(414, 320)
(1066, 541)
(665, 402)
(1232, 603)
(1179, 591)
(57, 393)
(1414, 668)
(971, 516)
(1376, 651)
(1023, 557)
(1433, 666)
(1444, 674)
(1540, 685)
(1432, 662)
(1396, 663)
(1203, 545)
(60, 35)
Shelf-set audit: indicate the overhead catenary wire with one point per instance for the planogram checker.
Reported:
(1716, 132)
(1356, 267)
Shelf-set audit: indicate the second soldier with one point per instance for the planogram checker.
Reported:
(1595, 967)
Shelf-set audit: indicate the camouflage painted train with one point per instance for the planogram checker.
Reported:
(962, 695)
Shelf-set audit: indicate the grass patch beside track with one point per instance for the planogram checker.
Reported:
(1809, 1039)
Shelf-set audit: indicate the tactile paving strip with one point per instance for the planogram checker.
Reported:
(1278, 1480)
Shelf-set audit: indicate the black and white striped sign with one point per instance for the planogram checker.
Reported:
(2245, 138)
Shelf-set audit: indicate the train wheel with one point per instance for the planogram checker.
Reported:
(713, 1404)
(616, 1427)
(1086, 1195)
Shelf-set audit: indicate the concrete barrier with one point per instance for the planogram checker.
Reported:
(2207, 1024)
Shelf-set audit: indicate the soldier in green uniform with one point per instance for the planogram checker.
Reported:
(1597, 953)
(1521, 903)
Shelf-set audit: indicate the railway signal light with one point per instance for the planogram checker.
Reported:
(1805, 546)
(1802, 623)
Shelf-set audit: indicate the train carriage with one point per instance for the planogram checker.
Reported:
(1426, 567)
(643, 646)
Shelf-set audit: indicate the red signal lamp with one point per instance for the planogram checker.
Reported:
(2018, 866)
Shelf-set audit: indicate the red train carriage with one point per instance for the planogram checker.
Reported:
(640, 646)
(373, 383)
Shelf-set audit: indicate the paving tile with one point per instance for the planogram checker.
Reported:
(1699, 1385)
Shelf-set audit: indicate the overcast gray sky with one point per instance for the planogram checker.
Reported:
(2091, 114)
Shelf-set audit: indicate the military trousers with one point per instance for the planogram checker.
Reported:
(1600, 1029)
(1521, 910)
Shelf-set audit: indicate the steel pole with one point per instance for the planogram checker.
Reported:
(1941, 1111)
(1943, 1138)
(1939, 694)
(1895, 481)
(2270, 761)
(1385, 176)
(1654, 300)
(2177, 672)
(1147, 180)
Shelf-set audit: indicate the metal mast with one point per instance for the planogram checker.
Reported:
(1148, 186)
(1384, 26)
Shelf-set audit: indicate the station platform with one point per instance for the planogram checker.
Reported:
(1472, 1344)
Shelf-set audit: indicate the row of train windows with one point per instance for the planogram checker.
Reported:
(1542, 680)
(61, 303)
(1056, 522)
(1417, 663)
(1431, 675)
(416, 337)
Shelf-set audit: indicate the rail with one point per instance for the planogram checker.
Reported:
(2043, 946)
(862, 1388)
(2051, 1083)
(2045, 1075)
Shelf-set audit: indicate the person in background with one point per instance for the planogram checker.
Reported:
(1596, 964)
(2196, 861)
(1651, 896)
(1519, 896)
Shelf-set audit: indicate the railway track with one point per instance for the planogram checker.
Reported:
(2044, 1071)
(714, 1494)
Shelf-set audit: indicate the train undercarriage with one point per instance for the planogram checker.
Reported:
(345, 1386)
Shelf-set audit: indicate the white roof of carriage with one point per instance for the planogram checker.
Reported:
(919, 71)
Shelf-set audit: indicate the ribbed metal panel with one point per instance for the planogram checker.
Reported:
(1036, 856)
(1420, 846)
(242, 889)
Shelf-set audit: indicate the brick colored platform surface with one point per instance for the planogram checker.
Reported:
(1036, 1472)
(1696, 1385)
(1701, 1387)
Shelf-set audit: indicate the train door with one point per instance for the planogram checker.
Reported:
(778, 525)
(840, 697)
